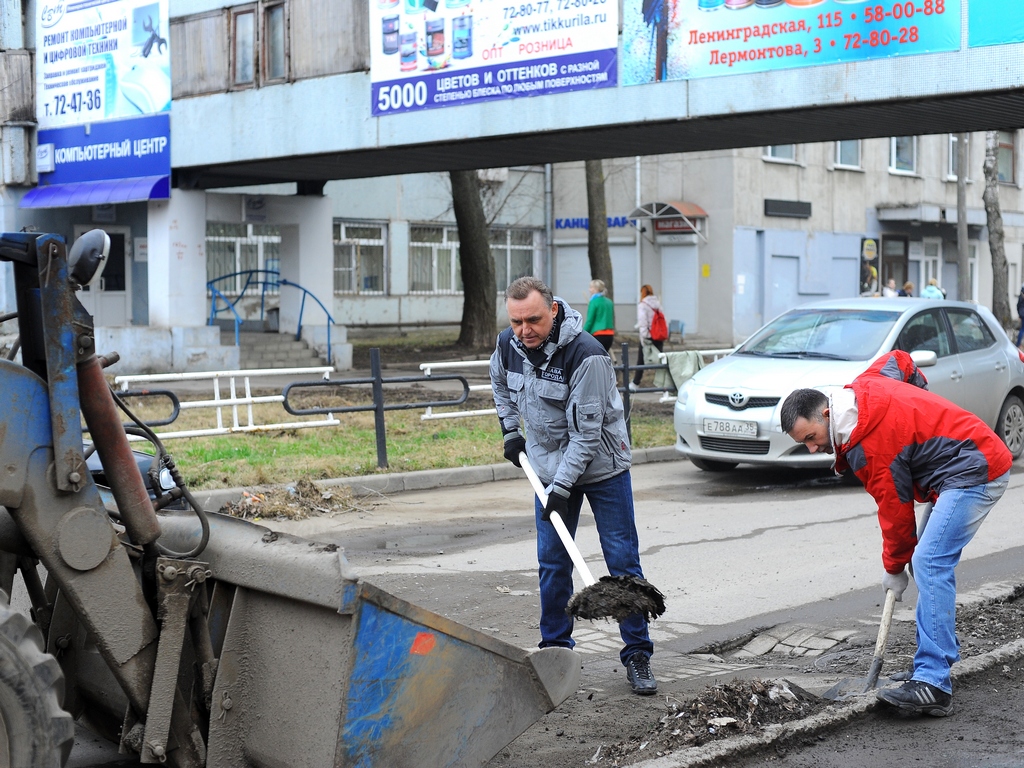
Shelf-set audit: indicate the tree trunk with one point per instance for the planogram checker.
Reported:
(597, 229)
(479, 328)
(996, 246)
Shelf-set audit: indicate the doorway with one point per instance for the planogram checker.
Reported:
(894, 261)
(108, 299)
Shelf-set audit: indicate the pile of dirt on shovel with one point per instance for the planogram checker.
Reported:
(291, 502)
(720, 711)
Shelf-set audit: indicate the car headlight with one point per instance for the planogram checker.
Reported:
(684, 392)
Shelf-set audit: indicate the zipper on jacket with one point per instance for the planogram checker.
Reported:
(575, 418)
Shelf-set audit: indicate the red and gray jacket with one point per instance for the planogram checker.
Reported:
(910, 444)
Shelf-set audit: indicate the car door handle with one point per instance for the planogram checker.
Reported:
(1000, 366)
(956, 375)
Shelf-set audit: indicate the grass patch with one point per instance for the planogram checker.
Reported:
(349, 449)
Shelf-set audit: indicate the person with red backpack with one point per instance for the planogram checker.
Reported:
(650, 321)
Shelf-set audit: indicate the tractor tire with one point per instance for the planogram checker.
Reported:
(35, 732)
(1010, 425)
(710, 465)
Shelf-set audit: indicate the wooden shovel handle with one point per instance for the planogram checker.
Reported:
(556, 521)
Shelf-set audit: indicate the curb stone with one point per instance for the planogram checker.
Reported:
(426, 479)
(834, 716)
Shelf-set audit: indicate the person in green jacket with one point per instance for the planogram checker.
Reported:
(600, 315)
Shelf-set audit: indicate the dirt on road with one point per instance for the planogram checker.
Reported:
(605, 725)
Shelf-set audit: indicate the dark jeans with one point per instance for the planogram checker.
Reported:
(658, 345)
(606, 340)
(612, 504)
(1020, 333)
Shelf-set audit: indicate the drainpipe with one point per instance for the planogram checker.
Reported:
(549, 222)
(639, 238)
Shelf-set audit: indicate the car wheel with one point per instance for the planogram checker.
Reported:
(708, 465)
(1010, 426)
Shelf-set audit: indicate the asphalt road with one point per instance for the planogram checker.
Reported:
(732, 552)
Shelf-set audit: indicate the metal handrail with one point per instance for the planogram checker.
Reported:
(264, 284)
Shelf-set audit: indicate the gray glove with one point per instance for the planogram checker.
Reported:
(897, 582)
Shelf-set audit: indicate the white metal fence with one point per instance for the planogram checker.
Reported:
(232, 399)
(667, 396)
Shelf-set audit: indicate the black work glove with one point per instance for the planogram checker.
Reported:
(558, 501)
(515, 444)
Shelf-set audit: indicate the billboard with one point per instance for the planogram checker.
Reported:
(684, 39)
(101, 60)
(993, 22)
(426, 54)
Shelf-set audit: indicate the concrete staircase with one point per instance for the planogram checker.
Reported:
(271, 350)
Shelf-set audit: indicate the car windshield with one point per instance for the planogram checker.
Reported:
(826, 334)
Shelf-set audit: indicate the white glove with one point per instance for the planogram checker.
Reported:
(897, 582)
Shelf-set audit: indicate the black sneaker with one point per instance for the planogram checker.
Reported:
(641, 679)
(918, 697)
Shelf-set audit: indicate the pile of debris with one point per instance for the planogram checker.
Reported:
(720, 711)
(292, 502)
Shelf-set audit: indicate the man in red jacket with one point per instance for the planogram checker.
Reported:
(907, 444)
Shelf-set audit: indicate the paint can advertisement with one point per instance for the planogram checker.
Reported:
(101, 61)
(687, 39)
(456, 52)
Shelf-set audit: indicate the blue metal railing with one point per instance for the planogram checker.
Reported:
(252, 279)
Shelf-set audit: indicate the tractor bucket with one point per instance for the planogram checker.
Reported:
(317, 668)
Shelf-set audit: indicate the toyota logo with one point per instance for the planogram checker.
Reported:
(737, 399)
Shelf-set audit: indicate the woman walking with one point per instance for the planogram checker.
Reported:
(600, 315)
(644, 315)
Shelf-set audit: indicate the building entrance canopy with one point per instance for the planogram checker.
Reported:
(677, 216)
(105, 192)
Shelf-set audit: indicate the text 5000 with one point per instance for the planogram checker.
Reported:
(399, 96)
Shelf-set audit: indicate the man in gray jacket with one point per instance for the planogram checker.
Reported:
(557, 382)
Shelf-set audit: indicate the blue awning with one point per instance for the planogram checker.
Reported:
(98, 192)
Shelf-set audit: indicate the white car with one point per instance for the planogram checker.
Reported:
(728, 413)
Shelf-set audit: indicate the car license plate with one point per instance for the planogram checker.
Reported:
(730, 427)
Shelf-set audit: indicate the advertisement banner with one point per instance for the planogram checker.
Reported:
(684, 39)
(121, 149)
(441, 53)
(994, 22)
(101, 60)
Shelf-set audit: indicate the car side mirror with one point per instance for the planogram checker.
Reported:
(924, 358)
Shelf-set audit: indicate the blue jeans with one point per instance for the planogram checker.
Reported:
(1020, 333)
(954, 519)
(612, 503)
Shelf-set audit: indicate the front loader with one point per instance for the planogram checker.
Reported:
(195, 639)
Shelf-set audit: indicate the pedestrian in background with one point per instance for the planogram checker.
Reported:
(1020, 314)
(932, 290)
(644, 315)
(889, 289)
(907, 289)
(557, 383)
(600, 315)
(906, 444)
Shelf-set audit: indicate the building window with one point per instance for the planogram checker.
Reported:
(848, 154)
(360, 250)
(434, 260)
(782, 152)
(275, 42)
(903, 154)
(951, 167)
(243, 39)
(513, 251)
(1007, 157)
(238, 257)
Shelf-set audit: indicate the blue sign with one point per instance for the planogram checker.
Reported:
(119, 149)
(704, 38)
(994, 22)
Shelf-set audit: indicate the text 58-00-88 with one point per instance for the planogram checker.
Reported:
(78, 101)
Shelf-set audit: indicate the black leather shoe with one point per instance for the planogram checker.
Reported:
(641, 679)
(920, 698)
